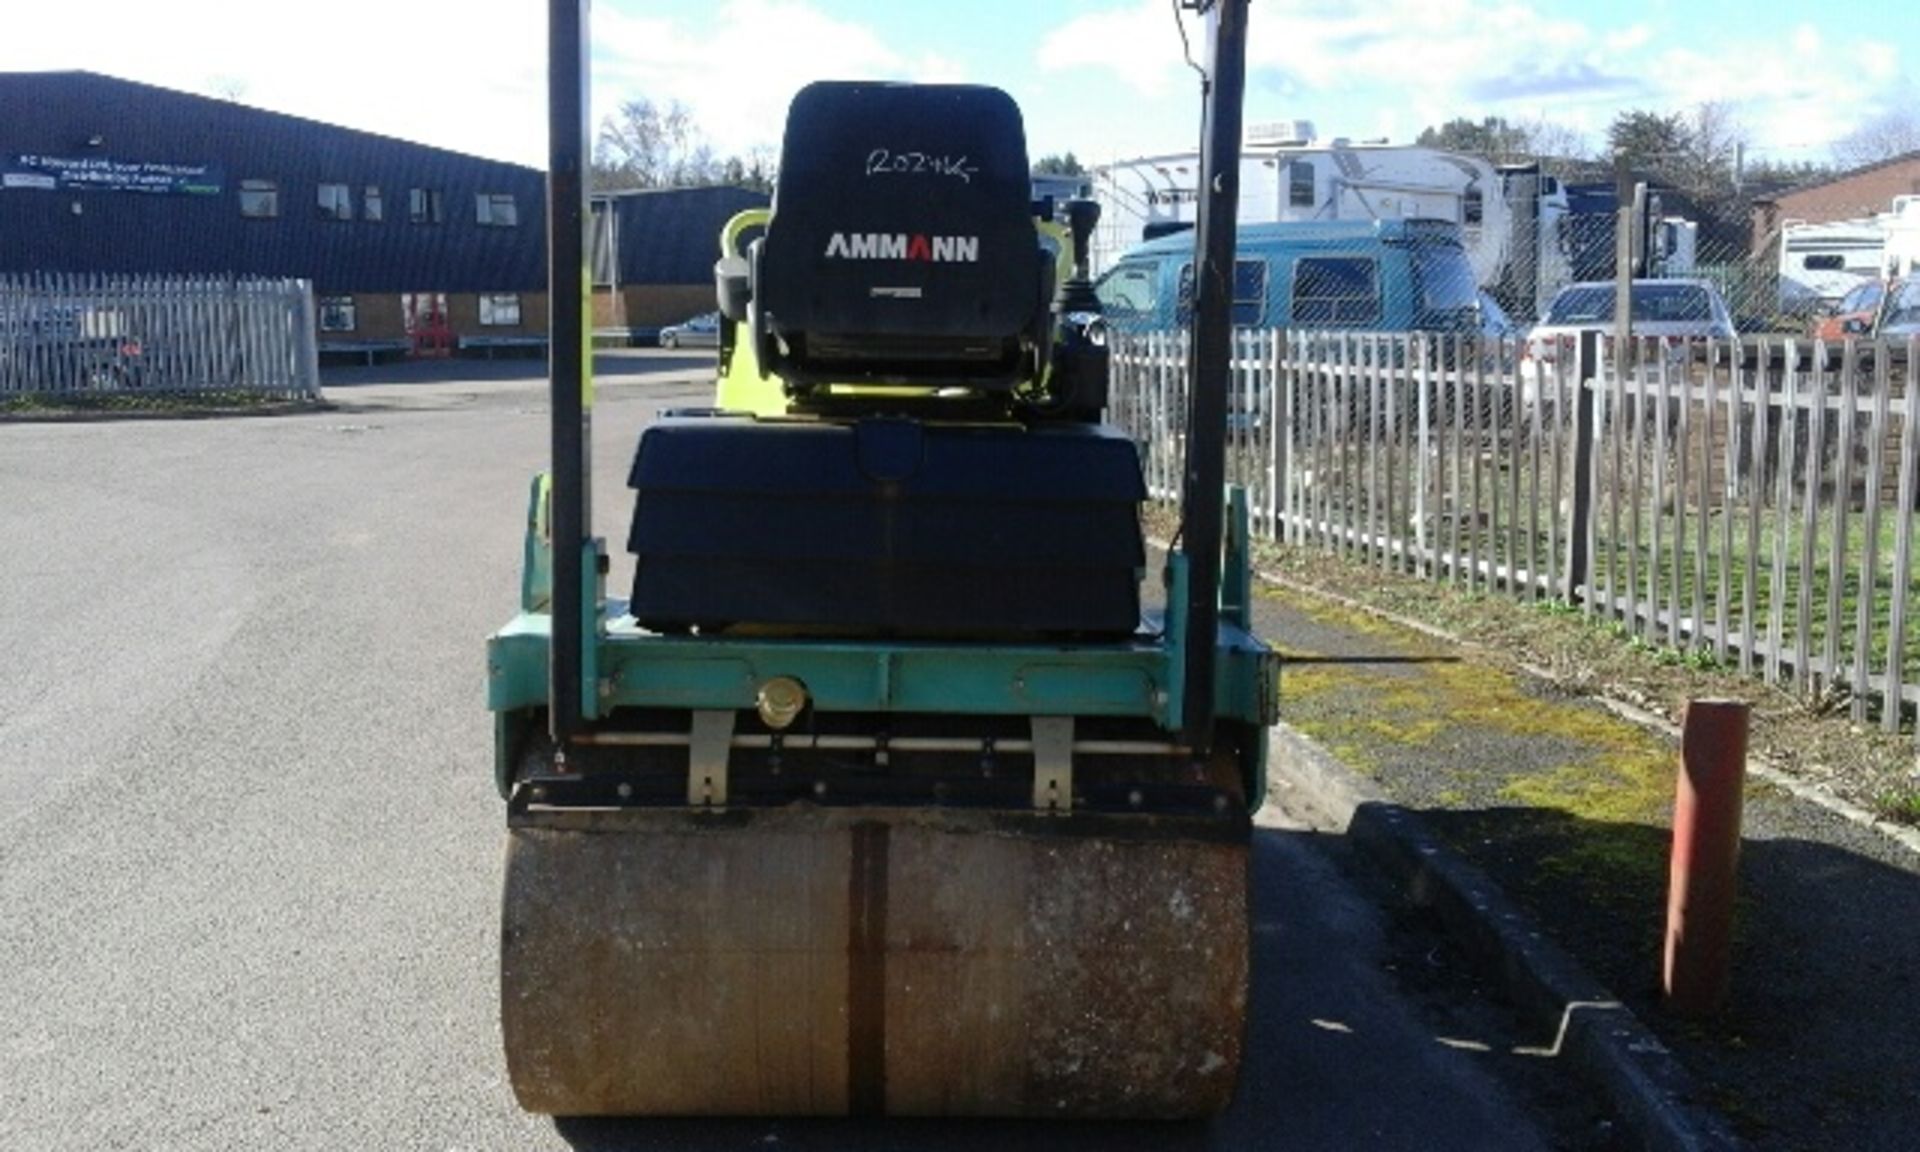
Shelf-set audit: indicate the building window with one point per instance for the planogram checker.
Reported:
(259, 199)
(497, 209)
(335, 202)
(337, 314)
(500, 311)
(370, 206)
(1300, 184)
(1473, 205)
(423, 205)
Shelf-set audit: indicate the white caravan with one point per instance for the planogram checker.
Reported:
(1819, 263)
(1903, 236)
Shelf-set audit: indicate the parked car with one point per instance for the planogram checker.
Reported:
(702, 331)
(1900, 314)
(1855, 314)
(1677, 313)
(69, 351)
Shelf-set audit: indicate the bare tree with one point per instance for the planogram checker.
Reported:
(1503, 141)
(643, 145)
(1550, 142)
(1714, 139)
(763, 166)
(1892, 133)
(229, 87)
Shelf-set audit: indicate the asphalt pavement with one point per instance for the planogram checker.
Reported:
(251, 856)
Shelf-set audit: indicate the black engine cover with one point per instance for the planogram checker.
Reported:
(886, 527)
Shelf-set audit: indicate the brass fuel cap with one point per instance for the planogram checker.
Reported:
(780, 701)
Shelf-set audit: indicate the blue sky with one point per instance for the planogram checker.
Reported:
(1103, 78)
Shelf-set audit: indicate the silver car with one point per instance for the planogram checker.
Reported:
(702, 331)
(1676, 312)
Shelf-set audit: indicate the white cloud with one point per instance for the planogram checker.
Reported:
(1880, 62)
(1788, 111)
(1109, 81)
(738, 71)
(1627, 39)
(934, 68)
(1419, 42)
(1139, 45)
(1410, 63)
(471, 77)
(475, 83)
(1429, 50)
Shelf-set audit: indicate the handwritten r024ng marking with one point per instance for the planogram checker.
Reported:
(886, 162)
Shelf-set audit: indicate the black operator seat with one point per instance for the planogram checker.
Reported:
(901, 247)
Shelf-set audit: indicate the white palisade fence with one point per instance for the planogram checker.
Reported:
(1750, 502)
(72, 334)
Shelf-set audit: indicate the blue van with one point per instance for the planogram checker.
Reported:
(1365, 275)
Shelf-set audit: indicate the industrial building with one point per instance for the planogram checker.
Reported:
(653, 254)
(403, 242)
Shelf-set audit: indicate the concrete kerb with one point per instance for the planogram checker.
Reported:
(1645, 1087)
(96, 415)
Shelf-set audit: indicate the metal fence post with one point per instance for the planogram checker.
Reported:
(1280, 404)
(307, 339)
(1580, 523)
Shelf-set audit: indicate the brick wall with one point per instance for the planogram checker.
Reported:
(379, 316)
(1861, 194)
(376, 316)
(650, 305)
(463, 316)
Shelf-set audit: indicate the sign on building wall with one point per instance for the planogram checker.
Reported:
(105, 174)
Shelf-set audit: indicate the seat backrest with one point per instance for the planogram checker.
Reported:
(902, 243)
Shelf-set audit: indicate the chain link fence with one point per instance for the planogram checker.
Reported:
(1492, 277)
(1584, 248)
(1812, 280)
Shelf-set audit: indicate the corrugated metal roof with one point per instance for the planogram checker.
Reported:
(672, 235)
(1838, 177)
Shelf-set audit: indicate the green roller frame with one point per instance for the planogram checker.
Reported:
(625, 667)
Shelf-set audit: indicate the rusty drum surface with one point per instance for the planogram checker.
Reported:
(811, 961)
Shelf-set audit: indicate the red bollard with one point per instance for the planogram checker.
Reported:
(1706, 856)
